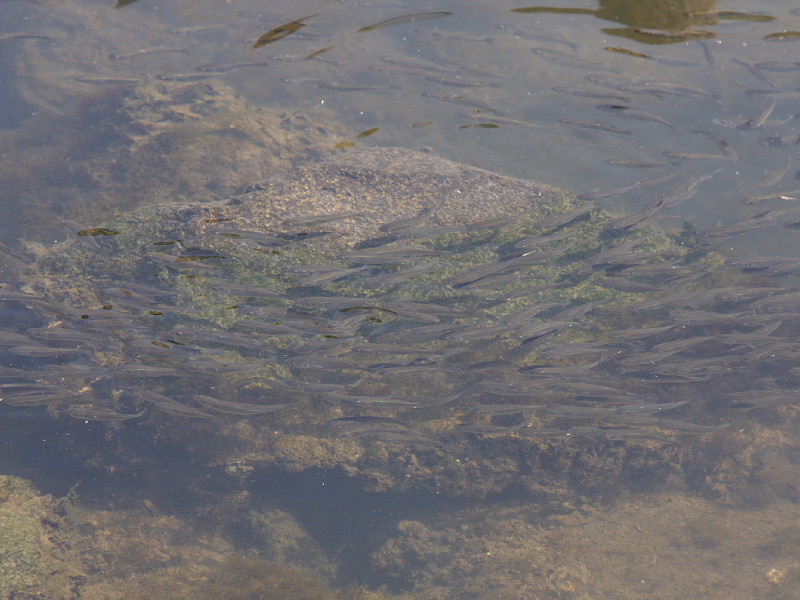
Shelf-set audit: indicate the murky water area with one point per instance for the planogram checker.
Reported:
(248, 351)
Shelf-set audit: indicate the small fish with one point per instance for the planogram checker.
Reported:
(177, 262)
(753, 71)
(787, 196)
(393, 226)
(761, 118)
(679, 426)
(682, 35)
(625, 51)
(217, 367)
(185, 77)
(143, 370)
(782, 36)
(195, 29)
(628, 112)
(636, 333)
(565, 218)
(633, 220)
(682, 191)
(8, 338)
(42, 351)
(588, 93)
(229, 67)
(686, 156)
(774, 265)
(237, 408)
(778, 66)
(40, 399)
(107, 414)
(733, 15)
(326, 274)
(368, 308)
(728, 230)
(281, 31)
(492, 223)
(549, 36)
(145, 289)
(145, 52)
(217, 336)
(100, 80)
(540, 240)
(409, 18)
(672, 88)
(459, 99)
(594, 125)
(773, 176)
(625, 285)
(302, 80)
(351, 87)
(170, 406)
(496, 120)
(566, 60)
(27, 388)
(136, 300)
(530, 312)
(617, 82)
(389, 400)
(479, 332)
(781, 141)
(321, 363)
(707, 54)
(314, 220)
(388, 254)
(425, 307)
(429, 33)
(457, 81)
(636, 185)
(476, 273)
(97, 231)
(400, 275)
(23, 35)
(64, 334)
(407, 233)
(636, 163)
(506, 409)
(421, 65)
(368, 132)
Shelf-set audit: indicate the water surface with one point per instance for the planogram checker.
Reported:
(591, 97)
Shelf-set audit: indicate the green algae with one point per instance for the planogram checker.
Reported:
(375, 187)
(21, 514)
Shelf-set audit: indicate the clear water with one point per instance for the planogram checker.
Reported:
(529, 92)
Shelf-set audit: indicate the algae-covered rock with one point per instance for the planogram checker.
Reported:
(405, 320)
(150, 142)
(516, 550)
(22, 511)
(101, 124)
(354, 192)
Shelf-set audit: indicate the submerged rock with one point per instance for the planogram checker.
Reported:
(154, 141)
(33, 553)
(407, 321)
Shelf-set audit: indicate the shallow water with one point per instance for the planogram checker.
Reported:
(530, 92)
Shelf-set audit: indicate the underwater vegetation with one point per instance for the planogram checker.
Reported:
(241, 578)
(20, 548)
